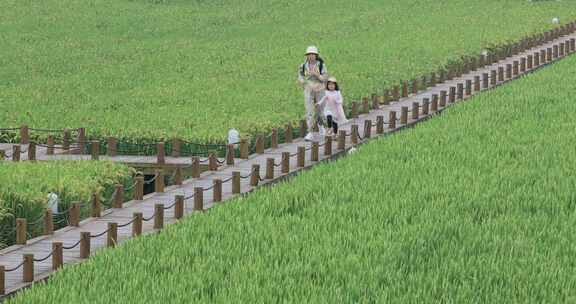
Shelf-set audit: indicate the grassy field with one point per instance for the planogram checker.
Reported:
(157, 69)
(474, 206)
(25, 187)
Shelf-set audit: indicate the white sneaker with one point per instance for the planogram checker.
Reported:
(309, 137)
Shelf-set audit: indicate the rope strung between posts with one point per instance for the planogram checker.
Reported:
(45, 258)
(246, 176)
(72, 246)
(151, 180)
(14, 268)
(169, 206)
(145, 219)
(126, 224)
(93, 236)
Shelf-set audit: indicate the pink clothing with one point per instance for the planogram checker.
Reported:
(332, 104)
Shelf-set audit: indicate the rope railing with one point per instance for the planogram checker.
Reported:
(72, 246)
(93, 236)
(44, 258)
(14, 268)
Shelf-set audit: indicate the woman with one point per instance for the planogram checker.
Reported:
(311, 76)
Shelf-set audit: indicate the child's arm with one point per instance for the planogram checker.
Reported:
(338, 100)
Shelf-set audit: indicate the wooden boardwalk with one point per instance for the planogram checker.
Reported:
(12, 256)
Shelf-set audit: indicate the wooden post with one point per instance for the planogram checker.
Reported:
(354, 134)
(396, 93)
(178, 179)
(212, 162)
(452, 95)
(31, 151)
(235, 182)
(159, 182)
(572, 45)
(112, 234)
(485, 79)
(139, 188)
(28, 270)
(112, 146)
(404, 115)
(230, 155)
(354, 113)
(84, 245)
(195, 168)
(522, 64)
(217, 190)
(392, 120)
(24, 135)
(57, 255)
(179, 201)
(500, 74)
(433, 105)
(442, 103)
(285, 162)
(48, 220)
(379, 125)
(367, 128)
(468, 87)
(288, 134)
(342, 138)
(255, 176)
(327, 145)
(118, 196)
(270, 168)
(2, 280)
(137, 225)
(95, 149)
(244, 148)
(198, 199)
(508, 71)
(415, 110)
(375, 102)
(543, 56)
(74, 220)
(96, 207)
(81, 141)
(303, 128)
(50, 143)
(66, 139)
(160, 153)
(21, 227)
(314, 153)
(159, 215)
(176, 147)
(405, 89)
(515, 68)
(414, 86)
(259, 145)
(386, 97)
(432, 82)
(493, 77)
(548, 54)
(301, 156)
(536, 59)
(274, 139)
(555, 51)
(16, 149)
(425, 107)
(2, 154)
(460, 93)
(365, 105)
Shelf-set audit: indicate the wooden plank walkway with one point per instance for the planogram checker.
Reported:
(42, 246)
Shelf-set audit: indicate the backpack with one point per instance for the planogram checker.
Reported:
(320, 66)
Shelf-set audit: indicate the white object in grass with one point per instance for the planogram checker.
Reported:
(352, 150)
(53, 202)
(555, 20)
(233, 137)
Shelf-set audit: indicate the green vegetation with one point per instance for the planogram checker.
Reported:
(25, 187)
(476, 205)
(145, 70)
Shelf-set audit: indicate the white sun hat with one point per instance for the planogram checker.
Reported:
(332, 79)
(312, 50)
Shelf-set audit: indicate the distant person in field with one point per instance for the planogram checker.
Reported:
(311, 76)
(332, 105)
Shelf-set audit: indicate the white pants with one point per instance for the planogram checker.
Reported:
(311, 97)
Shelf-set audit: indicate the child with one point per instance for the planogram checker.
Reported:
(332, 104)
